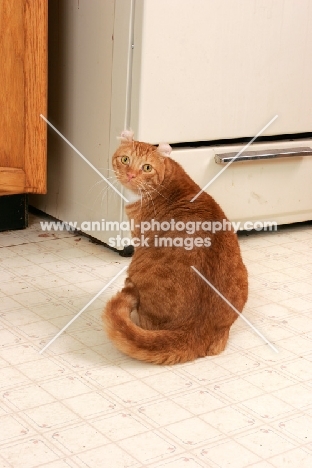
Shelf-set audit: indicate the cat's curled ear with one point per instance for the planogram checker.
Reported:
(126, 136)
(164, 149)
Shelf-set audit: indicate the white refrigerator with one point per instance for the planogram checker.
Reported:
(201, 75)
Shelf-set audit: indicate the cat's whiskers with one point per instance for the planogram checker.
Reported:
(108, 191)
(102, 181)
(116, 173)
(142, 192)
(141, 196)
(107, 169)
(94, 185)
(112, 177)
(150, 196)
(103, 192)
(153, 188)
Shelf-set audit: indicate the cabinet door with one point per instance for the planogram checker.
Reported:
(208, 70)
(23, 72)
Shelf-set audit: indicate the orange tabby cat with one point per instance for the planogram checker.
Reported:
(166, 313)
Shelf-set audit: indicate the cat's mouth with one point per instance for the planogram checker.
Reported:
(130, 184)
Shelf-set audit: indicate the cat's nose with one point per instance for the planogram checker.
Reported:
(130, 175)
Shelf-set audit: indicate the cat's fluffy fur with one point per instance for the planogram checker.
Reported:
(166, 313)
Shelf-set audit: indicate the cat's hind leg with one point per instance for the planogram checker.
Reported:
(218, 341)
(130, 289)
(141, 320)
(133, 290)
(135, 317)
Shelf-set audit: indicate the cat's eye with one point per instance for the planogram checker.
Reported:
(125, 159)
(147, 167)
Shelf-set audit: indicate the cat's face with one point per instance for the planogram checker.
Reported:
(139, 166)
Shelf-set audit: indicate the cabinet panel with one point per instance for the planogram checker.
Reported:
(23, 95)
(12, 93)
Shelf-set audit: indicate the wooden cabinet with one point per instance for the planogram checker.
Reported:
(23, 96)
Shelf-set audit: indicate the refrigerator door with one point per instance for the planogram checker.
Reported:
(209, 70)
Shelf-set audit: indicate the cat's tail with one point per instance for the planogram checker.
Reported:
(155, 346)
